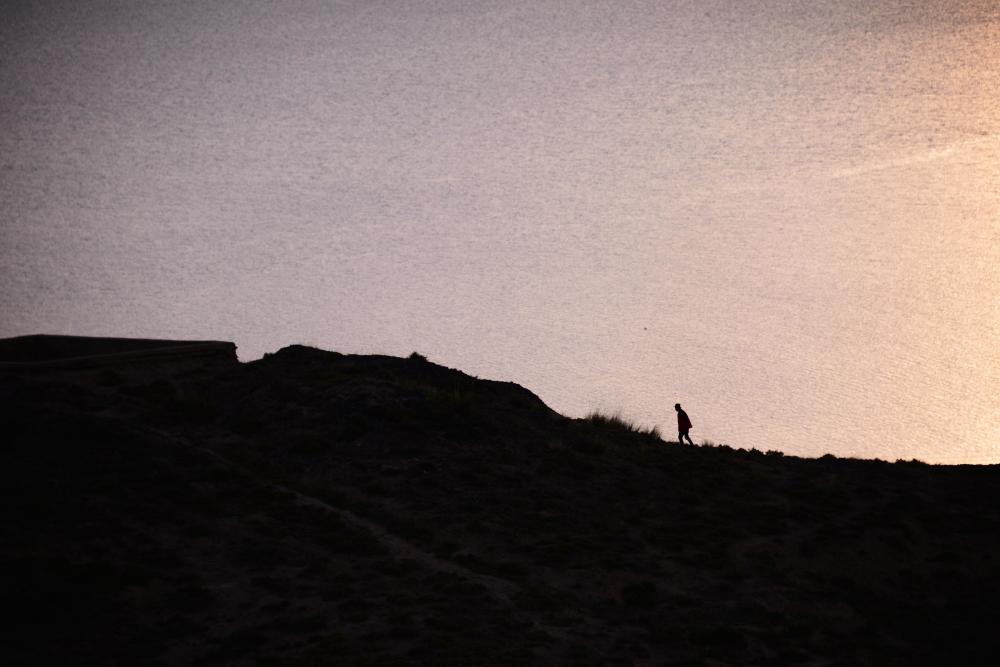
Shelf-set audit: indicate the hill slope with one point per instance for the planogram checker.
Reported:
(312, 508)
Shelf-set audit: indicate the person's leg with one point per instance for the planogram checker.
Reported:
(684, 434)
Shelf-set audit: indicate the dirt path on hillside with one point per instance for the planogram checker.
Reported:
(501, 590)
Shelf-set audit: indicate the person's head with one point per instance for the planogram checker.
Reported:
(677, 406)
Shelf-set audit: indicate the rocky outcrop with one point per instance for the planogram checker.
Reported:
(42, 352)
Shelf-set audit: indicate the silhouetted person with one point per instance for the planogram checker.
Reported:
(683, 425)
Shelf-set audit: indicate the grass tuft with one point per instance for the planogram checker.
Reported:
(618, 422)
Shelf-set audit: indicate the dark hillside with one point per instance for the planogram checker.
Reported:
(313, 508)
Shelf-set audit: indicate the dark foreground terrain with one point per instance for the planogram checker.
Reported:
(318, 509)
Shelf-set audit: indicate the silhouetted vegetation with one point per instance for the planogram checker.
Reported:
(618, 422)
(313, 508)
